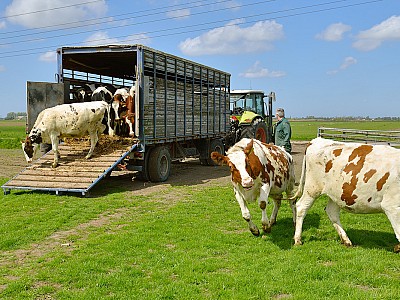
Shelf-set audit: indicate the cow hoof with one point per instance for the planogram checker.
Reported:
(267, 229)
(348, 244)
(397, 248)
(298, 243)
(255, 231)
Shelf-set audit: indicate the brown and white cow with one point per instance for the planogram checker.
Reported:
(259, 171)
(66, 120)
(359, 178)
(123, 110)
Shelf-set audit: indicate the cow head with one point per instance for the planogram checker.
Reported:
(102, 94)
(31, 143)
(118, 105)
(243, 163)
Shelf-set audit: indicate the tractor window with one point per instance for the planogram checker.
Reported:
(259, 104)
(249, 104)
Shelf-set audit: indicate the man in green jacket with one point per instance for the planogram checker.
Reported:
(283, 131)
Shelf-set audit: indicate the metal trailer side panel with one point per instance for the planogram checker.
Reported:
(182, 99)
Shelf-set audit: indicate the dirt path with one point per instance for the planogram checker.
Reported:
(189, 172)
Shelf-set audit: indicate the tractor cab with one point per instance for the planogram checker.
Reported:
(251, 114)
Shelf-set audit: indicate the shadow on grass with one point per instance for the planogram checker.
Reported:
(282, 232)
(372, 239)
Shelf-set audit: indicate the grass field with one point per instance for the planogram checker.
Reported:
(11, 134)
(196, 246)
(185, 242)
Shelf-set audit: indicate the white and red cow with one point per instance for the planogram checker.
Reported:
(122, 108)
(359, 178)
(66, 120)
(259, 171)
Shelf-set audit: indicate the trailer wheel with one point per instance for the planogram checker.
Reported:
(215, 146)
(257, 130)
(159, 166)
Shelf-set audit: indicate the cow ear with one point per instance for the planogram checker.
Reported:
(248, 148)
(219, 158)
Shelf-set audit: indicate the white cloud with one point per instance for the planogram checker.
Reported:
(257, 71)
(348, 61)
(234, 39)
(333, 32)
(388, 30)
(102, 38)
(2, 68)
(49, 56)
(40, 13)
(2, 24)
(179, 13)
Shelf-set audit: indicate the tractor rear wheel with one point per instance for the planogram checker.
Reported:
(258, 130)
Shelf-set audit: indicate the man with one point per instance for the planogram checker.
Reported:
(283, 131)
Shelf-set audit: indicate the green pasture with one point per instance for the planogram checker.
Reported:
(12, 132)
(187, 242)
(304, 130)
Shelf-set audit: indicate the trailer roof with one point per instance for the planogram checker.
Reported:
(109, 60)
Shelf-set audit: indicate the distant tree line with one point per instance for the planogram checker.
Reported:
(14, 115)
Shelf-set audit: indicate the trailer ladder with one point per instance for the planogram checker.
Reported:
(74, 173)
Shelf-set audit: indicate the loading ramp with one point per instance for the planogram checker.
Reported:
(74, 174)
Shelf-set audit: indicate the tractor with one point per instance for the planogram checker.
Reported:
(251, 116)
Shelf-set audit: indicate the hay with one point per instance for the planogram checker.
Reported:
(106, 144)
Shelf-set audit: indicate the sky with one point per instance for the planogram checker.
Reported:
(322, 58)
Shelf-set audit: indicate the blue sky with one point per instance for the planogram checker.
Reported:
(321, 57)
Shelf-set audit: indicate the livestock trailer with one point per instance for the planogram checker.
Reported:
(181, 107)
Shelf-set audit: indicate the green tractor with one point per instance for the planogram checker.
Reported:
(251, 115)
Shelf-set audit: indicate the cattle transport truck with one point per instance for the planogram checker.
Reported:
(181, 110)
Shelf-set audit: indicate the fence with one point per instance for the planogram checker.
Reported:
(383, 137)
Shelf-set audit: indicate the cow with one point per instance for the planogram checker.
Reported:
(66, 120)
(122, 110)
(359, 178)
(104, 93)
(259, 171)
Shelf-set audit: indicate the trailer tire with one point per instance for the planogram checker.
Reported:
(258, 130)
(216, 145)
(159, 165)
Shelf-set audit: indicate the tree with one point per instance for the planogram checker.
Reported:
(11, 116)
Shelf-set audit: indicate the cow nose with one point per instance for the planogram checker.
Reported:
(247, 182)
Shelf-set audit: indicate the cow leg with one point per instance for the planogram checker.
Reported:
(262, 202)
(275, 209)
(302, 207)
(93, 141)
(246, 214)
(130, 126)
(292, 204)
(54, 146)
(392, 210)
(333, 212)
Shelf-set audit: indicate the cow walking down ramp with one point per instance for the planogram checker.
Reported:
(66, 120)
(258, 171)
(359, 178)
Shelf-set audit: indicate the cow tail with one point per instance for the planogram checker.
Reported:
(300, 188)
